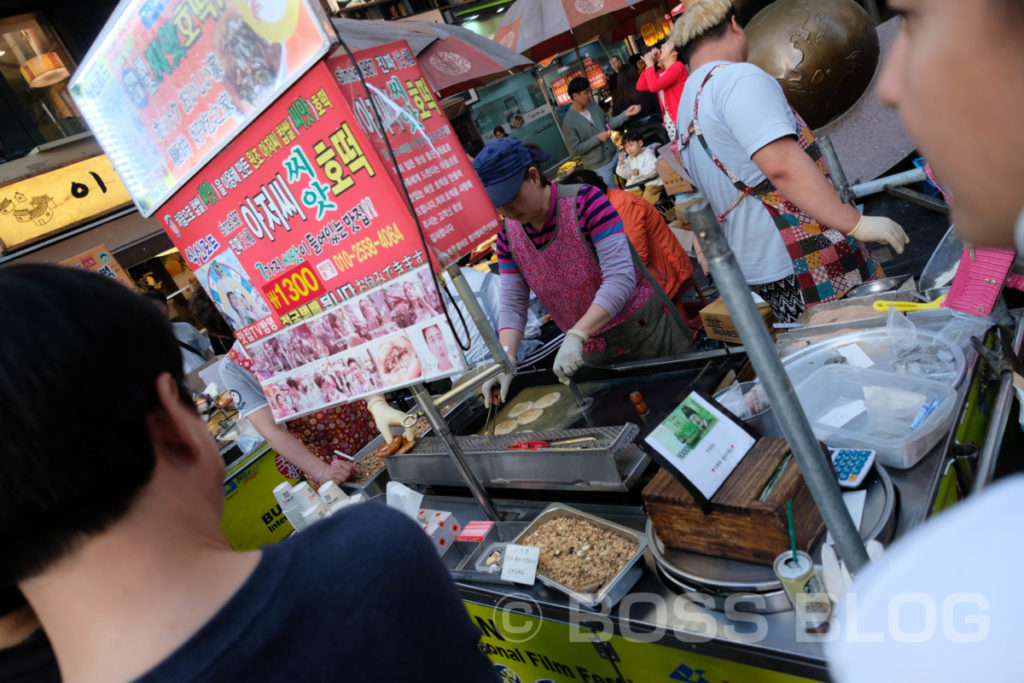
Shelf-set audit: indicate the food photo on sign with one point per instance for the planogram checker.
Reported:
(165, 102)
(308, 249)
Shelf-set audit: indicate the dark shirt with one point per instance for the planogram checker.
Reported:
(30, 661)
(360, 596)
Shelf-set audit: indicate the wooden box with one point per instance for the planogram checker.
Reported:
(740, 526)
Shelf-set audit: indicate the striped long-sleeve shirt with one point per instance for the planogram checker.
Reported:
(602, 229)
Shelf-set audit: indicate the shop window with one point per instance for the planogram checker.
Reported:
(36, 68)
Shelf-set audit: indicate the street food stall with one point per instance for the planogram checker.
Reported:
(634, 525)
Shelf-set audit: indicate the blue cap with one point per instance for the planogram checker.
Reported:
(501, 166)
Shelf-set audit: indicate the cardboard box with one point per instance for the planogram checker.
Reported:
(718, 323)
(441, 527)
(674, 183)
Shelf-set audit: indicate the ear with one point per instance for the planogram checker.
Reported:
(175, 430)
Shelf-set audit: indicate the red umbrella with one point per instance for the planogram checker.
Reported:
(545, 27)
(452, 58)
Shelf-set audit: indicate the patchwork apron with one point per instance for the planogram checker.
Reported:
(826, 262)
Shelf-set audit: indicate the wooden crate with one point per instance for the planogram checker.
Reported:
(740, 526)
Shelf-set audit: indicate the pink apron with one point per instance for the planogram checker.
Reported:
(566, 259)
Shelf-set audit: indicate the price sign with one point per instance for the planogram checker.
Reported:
(520, 564)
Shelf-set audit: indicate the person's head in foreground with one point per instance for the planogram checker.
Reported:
(513, 180)
(62, 485)
(956, 76)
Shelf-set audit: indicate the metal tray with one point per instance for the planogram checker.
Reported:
(723, 576)
(616, 588)
(721, 601)
(484, 553)
(375, 485)
(612, 463)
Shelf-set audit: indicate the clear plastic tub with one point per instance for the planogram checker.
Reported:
(900, 416)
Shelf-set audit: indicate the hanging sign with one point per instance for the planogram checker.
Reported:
(305, 245)
(452, 206)
(169, 82)
(53, 201)
(100, 260)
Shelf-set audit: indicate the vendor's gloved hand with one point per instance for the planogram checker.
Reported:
(337, 471)
(880, 229)
(570, 355)
(501, 382)
(384, 416)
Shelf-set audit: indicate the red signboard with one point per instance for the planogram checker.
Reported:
(303, 241)
(450, 202)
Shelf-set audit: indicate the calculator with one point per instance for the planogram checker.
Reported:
(852, 465)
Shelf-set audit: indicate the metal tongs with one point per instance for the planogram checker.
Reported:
(492, 412)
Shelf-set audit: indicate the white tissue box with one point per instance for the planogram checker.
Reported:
(441, 527)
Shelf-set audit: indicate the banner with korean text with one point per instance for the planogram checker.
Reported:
(169, 82)
(450, 202)
(308, 250)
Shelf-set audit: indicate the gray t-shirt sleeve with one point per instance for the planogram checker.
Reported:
(245, 390)
(755, 109)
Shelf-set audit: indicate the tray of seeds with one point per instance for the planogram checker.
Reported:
(590, 559)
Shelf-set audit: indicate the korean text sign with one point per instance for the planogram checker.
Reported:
(451, 203)
(308, 250)
(169, 82)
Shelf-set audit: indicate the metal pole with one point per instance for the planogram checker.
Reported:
(440, 428)
(881, 184)
(835, 169)
(997, 422)
(816, 468)
(480, 319)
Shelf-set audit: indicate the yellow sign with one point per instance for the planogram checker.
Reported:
(100, 260)
(528, 649)
(50, 202)
(252, 518)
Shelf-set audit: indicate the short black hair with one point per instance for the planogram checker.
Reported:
(584, 176)
(499, 129)
(633, 135)
(79, 359)
(713, 33)
(578, 84)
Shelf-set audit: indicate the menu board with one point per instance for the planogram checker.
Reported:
(452, 206)
(308, 250)
(169, 82)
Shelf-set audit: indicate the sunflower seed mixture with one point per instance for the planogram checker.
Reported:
(578, 554)
(366, 467)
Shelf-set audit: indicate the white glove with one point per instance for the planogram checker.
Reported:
(502, 381)
(384, 416)
(570, 355)
(880, 229)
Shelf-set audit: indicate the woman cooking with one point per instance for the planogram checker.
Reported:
(559, 235)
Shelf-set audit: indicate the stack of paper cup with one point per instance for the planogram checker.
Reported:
(314, 512)
(333, 496)
(290, 505)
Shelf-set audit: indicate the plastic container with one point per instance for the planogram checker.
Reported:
(900, 416)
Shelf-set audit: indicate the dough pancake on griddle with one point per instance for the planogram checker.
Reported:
(529, 416)
(505, 426)
(547, 400)
(520, 408)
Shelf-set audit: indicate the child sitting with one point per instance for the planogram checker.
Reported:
(639, 168)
